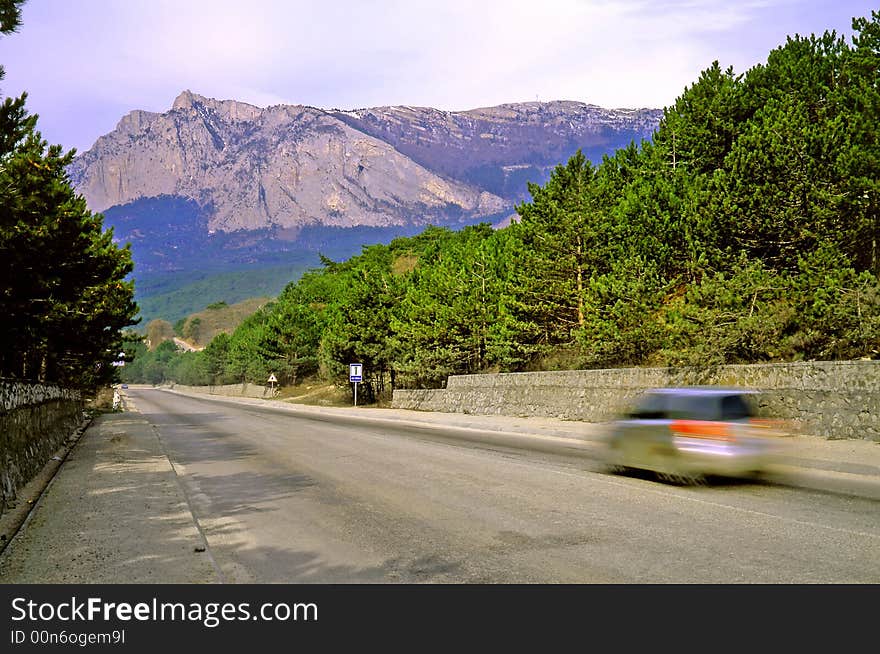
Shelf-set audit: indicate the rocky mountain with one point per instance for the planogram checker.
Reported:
(285, 167)
(220, 187)
(500, 148)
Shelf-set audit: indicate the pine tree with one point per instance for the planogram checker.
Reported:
(558, 232)
(858, 158)
(64, 296)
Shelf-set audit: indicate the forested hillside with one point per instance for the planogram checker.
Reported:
(744, 231)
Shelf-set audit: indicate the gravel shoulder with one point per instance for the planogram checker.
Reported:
(113, 513)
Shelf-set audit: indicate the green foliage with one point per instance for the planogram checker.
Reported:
(10, 19)
(560, 233)
(64, 296)
(447, 317)
(838, 308)
(359, 314)
(736, 316)
(175, 297)
(622, 326)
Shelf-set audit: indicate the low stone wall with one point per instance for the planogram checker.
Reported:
(230, 390)
(833, 399)
(35, 420)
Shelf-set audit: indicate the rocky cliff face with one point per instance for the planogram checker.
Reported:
(287, 167)
(470, 145)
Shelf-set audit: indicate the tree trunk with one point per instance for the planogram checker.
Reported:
(580, 282)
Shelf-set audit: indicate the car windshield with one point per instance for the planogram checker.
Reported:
(651, 406)
(692, 406)
(709, 407)
(736, 407)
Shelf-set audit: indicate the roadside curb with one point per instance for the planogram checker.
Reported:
(114, 512)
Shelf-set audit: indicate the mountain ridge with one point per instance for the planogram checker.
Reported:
(286, 166)
(289, 166)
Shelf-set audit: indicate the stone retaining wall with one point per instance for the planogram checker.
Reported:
(34, 422)
(230, 390)
(833, 399)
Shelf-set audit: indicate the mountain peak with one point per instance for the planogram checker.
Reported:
(135, 121)
(227, 109)
(186, 99)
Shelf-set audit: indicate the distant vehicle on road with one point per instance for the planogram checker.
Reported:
(686, 435)
(125, 386)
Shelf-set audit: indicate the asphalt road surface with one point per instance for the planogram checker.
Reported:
(290, 499)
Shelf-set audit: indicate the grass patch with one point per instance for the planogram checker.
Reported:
(195, 295)
(315, 392)
(200, 328)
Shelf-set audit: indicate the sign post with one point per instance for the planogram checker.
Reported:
(355, 375)
(272, 380)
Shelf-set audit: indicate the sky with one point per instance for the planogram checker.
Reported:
(87, 63)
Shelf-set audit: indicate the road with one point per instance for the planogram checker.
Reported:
(284, 498)
(186, 347)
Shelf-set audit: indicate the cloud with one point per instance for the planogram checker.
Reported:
(94, 58)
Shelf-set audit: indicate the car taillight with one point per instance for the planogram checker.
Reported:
(718, 431)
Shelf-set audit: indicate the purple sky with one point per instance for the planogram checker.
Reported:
(86, 63)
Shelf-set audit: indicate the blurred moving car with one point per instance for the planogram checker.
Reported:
(688, 434)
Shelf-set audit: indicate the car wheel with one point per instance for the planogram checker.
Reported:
(682, 479)
(613, 460)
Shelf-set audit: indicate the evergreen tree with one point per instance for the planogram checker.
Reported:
(697, 132)
(445, 319)
(777, 196)
(857, 131)
(558, 232)
(64, 295)
(358, 327)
